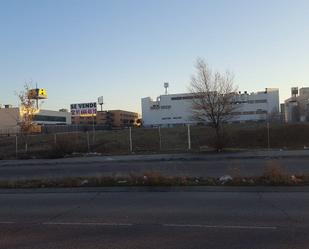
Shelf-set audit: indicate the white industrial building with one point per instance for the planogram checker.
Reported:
(176, 109)
(296, 108)
(11, 116)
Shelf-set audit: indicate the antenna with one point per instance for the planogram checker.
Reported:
(100, 101)
(166, 85)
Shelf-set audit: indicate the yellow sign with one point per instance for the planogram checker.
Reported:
(38, 93)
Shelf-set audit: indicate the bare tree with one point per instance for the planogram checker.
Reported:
(214, 97)
(27, 111)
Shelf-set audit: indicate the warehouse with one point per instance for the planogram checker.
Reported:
(175, 109)
(11, 116)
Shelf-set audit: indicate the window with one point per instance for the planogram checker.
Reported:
(176, 98)
(166, 107)
(155, 107)
(49, 118)
(260, 101)
(248, 113)
(236, 113)
(184, 97)
(259, 111)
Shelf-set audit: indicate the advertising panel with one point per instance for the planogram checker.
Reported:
(38, 93)
(84, 109)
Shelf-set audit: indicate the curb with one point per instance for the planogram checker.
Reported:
(253, 189)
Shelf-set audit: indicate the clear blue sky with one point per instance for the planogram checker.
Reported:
(125, 49)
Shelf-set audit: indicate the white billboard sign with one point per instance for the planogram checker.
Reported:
(84, 109)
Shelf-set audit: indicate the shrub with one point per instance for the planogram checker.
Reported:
(274, 174)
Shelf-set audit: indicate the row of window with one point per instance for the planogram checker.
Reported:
(127, 115)
(46, 118)
(250, 112)
(168, 118)
(257, 101)
(184, 97)
(157, 107)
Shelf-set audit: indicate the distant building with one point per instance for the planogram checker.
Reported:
(118, 118)
(175, 109)
(297, 106)
(109, 119)
(10, 117)
(87, 114)
(282, 113)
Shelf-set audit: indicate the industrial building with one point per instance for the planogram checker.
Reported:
(10, 118)
(296, 108)
(176, 109)
(118, 118)
(108, 119)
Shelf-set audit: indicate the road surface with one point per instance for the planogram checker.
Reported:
(29, 169)
(191, 218)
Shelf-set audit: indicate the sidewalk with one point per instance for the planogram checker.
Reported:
(209, 156)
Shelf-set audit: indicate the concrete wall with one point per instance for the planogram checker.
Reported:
(9, 118)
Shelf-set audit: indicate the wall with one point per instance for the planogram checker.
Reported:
(9, 118)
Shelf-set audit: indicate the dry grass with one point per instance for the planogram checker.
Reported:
(249, 136)
(274, 174)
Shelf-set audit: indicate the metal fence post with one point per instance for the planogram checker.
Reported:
(268, 136)
(26, 144)
(88, 143)
(16, 146)
(130, 136)
(160, 139)
(93, 130)
(189, 137)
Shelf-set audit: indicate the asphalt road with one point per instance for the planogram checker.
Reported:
(195, 168)
(119, 219)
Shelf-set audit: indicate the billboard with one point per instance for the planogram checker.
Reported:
(37, 93)
(84, 109)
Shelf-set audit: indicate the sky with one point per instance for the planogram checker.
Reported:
(124, 50)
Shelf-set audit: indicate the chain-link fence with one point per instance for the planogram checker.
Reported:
(153, 140)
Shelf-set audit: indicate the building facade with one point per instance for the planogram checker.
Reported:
(176, 109)
(297, 106)
(118, 118)
(109, 119)
(10, 117)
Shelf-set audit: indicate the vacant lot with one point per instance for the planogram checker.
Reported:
(154, 140)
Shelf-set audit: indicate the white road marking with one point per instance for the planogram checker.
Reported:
(86, 224)
(164, 225)
(220, 226)
(7, 222)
